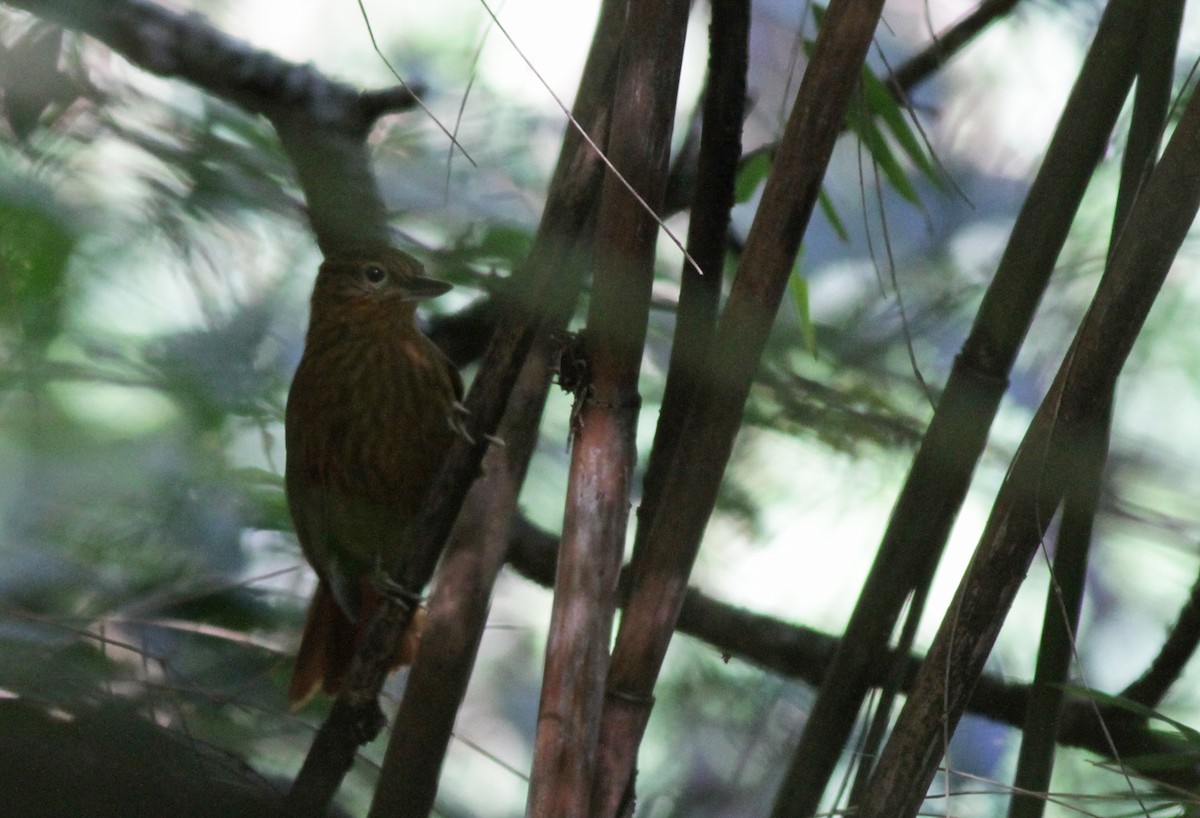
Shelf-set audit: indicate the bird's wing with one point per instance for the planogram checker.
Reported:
(310, 506)
(346, 537)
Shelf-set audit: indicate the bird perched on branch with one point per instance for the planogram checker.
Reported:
(370, 414)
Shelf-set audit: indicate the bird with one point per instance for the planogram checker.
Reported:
(372, 409)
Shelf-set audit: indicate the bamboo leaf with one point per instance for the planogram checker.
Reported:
(881, 103)
(876, 144)
(753, 173)
(798, 288)
(835, 221)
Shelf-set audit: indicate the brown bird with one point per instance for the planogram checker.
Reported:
(372, 409)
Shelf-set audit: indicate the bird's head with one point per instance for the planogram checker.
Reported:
(387, 277)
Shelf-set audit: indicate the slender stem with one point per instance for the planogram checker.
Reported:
(459, 605)
(604, 455)
(1064, 597)
(941, 471)
(946, 44)
(706, 439)
(1060, 623)
(720, 148)
(1149, 242)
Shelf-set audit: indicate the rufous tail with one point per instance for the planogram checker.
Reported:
(330, 640)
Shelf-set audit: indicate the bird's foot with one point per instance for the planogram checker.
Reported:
(458, 422)
(393, 590)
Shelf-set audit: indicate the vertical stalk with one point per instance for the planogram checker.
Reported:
(603, 457)
(700, 292)
(698, 463)
(477, 546)
(1060, 623)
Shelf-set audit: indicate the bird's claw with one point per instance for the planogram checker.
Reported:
(458, 421)
(393, 590)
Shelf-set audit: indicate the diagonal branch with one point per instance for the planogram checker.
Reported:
(946, 44)
(1182, 640)
(941, 471)
(321, 123)
(1140, 261)
(459, 604)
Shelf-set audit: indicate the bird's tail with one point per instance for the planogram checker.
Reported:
(330, 640)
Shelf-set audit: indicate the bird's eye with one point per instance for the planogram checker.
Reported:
(374, 274)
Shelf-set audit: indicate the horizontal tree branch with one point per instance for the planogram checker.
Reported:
(803, 653)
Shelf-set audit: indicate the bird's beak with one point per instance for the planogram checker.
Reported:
(419, 288)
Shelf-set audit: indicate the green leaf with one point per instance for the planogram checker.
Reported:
(798, 287)
(33, 261)
(877, 145)
(835, 221)
(881, 103)
(754, 170)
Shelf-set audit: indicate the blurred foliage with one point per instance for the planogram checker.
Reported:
(154, 263)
